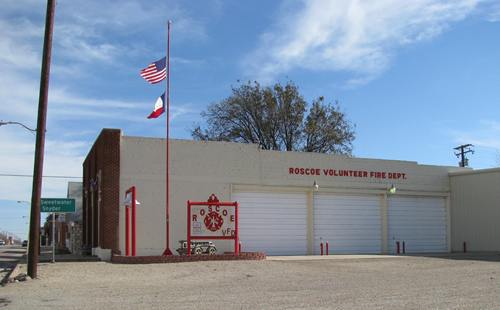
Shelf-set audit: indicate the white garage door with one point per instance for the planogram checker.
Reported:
(421, 222)
(274, 223)
(350, 224)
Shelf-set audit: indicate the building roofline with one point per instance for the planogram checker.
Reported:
(103, 131)
(478, 171)
(256, 146)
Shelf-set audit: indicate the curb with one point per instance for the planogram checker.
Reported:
(10, 275)
(118, 259)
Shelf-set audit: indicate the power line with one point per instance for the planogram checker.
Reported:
(462, 150)
(45, 176)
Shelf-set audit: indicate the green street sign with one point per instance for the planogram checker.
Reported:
(57, 205)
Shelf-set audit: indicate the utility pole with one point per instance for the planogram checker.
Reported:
(34, 236)
(461, 151)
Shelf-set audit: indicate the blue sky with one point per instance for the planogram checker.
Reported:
(416, 77)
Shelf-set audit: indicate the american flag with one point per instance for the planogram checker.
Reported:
(156, 71)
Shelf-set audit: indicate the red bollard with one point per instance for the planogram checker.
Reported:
(397, 247)
(327, 248)
(321, 248)
(465, 247)
(127, 231)
(404, 248)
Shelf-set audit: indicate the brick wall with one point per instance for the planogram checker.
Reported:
(184, 259)
(101, 192)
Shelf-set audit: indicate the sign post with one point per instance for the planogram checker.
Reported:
(56, 205)
(53, 237)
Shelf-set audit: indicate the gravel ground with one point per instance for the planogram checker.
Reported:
(380, 283)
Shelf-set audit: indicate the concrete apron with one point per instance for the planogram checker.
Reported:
(490, 256)
(330, 257)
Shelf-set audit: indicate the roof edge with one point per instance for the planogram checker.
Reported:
(470, 172)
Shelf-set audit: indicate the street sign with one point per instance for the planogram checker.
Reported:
(57, 205)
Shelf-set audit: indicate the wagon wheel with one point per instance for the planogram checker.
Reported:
(212, 250)
(197, 251)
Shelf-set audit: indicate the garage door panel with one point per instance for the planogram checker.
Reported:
(266, 222)
(274, 223)
(421, 222)
(350, 224)
(348, 220)
(277, 232)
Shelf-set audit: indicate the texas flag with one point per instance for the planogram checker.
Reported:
(159, 107)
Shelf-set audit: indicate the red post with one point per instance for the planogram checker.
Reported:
(404, 248)
(127, 231)
(188, 253)
(465, 247)
(236, 237)
(321, 247)
(134, 230)
(397, 247)
(327, 248)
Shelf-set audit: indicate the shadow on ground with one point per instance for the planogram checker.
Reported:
(4, 302)
(483, 256)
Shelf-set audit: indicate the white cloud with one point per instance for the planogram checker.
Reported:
(21, 92)
(17, 155)
(486, 134)
(356, 36)
(491, 10)
(16, 48)
(91, 39)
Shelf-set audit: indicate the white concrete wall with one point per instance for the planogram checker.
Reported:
(475, 211)
(199, 169)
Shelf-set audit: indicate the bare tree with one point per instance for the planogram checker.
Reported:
(275, 118)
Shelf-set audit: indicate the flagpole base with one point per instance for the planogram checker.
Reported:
(167, 252)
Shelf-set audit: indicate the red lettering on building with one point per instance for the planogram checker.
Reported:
(347, 173)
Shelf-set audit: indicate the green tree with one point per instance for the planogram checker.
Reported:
(275, 118)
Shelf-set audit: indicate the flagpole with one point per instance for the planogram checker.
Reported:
(167, 187)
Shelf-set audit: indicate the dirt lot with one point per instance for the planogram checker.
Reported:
(380, 283)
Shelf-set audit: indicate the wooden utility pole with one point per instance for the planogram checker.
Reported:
(461, 151)
(34, 235)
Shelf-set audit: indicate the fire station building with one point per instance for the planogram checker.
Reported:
(289, 202)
